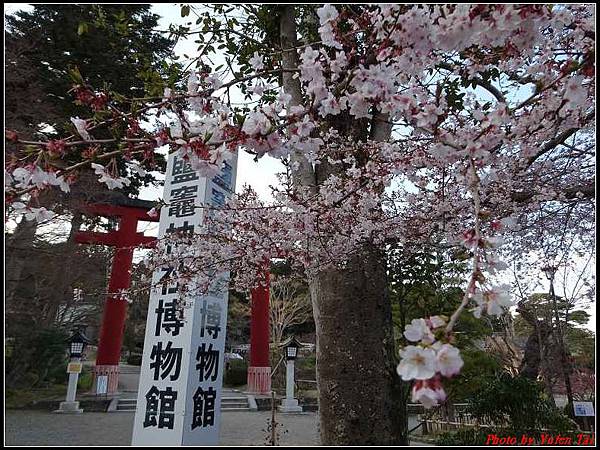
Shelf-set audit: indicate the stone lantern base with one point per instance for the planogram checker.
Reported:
(290, 405)
(69, 408)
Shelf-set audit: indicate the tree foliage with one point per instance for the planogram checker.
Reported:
(112, 47)
(424, 282)
(519, 404)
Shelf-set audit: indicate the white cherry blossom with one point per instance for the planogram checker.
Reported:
(428, 396)
(256, 61)
(136, 168)
(39, 214)
(449, 361)
(327, 13)
(492, 301)
(81, 127)
(110, 181)
(417, 363)
(418, 330)
(449, 171)
(437, 321)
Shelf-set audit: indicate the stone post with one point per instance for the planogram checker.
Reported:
(70, 406)
(289, 404)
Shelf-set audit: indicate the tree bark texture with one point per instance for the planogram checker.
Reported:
(536, 344)
(360, 395)
(18, 245)
(361, 400)
(304, 175)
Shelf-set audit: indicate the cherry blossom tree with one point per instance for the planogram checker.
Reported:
(287, 307)
(461, 124)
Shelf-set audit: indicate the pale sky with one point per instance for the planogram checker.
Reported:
(260, 175)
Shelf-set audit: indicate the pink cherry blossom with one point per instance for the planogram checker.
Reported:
(428, 394)
(481, 173)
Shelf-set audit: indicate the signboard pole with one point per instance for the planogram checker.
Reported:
(181, 377)
(72, 387)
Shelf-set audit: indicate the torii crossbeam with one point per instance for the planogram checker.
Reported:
(125, 239)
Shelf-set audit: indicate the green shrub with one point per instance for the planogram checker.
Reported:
(516, 406)
(30, 379)
(9, 347)
(236, 373)
(135, 359)
(518, 403)
(465, 436)
(57, 374)
(306, 367)
(85, 381)
(41, 352)
(18, 398)
(308, 362)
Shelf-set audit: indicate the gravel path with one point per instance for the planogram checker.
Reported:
(114, 429)
(237, 428)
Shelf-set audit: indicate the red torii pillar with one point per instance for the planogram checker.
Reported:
(115, 309)
(259, 371)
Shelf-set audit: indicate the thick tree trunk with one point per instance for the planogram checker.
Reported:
(360, 396)
(361, 400)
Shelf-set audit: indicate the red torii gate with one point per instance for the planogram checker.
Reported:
(124, 239)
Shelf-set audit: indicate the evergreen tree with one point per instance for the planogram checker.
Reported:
(427, 281)
(536, 329)
(103, 49)
(115, 48)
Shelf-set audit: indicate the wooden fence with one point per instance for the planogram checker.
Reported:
(465, 421)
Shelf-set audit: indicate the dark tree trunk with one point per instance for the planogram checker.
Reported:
(18, 248)
(360, 395)
(65, 283)
(535, 345)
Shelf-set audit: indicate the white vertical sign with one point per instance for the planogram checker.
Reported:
(101, 384)
(181, 377)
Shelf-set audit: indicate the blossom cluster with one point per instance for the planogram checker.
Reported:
(429, 360)
(111, 181)
(30, 213)
(450, 156)
(34, 176)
